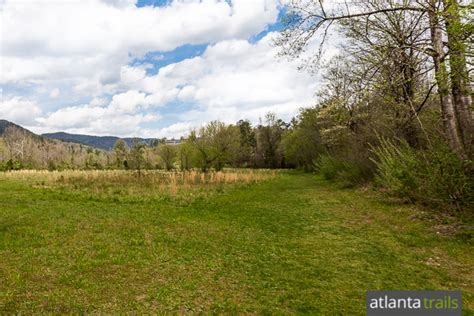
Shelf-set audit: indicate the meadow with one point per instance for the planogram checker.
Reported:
(236, 241)
(141, 185)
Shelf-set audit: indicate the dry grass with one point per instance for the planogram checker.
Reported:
(145, 183)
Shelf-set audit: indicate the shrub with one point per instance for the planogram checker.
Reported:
(398, 168)
(10, 165)
(432, 177)
(328, 166)
(348, 173)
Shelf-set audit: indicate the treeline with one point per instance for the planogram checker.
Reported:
(214, 146)
(21, 149)
(397, 108)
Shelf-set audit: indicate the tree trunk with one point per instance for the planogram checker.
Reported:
(442, 80)
(459, 75)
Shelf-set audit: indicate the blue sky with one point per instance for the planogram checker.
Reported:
(151, 68)
(155, 3)
(160, 59)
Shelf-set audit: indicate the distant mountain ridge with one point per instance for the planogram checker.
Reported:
(4, 124)
(100, 142)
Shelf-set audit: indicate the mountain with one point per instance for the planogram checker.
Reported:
(101, 142)
(4, 124)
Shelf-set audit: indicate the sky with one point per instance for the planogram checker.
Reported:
(146, 68)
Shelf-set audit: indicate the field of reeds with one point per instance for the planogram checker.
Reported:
(149, 183)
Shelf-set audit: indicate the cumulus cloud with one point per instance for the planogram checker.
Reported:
(176, 130)
(233, 79)
(44, 40)
(93, 119)
(54, 93)
(128, 102)
(19, 110)
(120, 3)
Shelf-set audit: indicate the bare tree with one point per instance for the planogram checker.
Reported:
(308, 19)
(15, 141)
(457, 33)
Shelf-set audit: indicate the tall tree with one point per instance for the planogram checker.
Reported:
(15, 140)
(247, 143)
(450, 122)
(136, 156)
(168, 155)
(302, 143)
(458, 33)
(269, 137)
(185, 154)
(306, 18)
(121, 151)
(216, 144)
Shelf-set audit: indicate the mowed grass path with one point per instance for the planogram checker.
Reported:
(295, 244)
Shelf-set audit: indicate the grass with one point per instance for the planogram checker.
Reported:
(291, 244)
(131, 186)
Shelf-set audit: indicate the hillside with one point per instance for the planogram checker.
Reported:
(23, 149)
(4, 124)
(101, 142)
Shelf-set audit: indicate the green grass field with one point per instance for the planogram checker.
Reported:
(290, 244)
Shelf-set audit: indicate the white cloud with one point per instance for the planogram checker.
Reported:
(128, 102)
(74, 117)
(120, 3)
(44, 40)
(94, 119)
(54, 93)
(131, 75)
(232, 80)
(19, 110)
(175, 130)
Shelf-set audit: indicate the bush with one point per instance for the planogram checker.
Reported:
(10, 165)
(433, 177)
(398, 169)
(347, 173)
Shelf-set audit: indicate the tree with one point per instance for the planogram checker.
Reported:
(248, 143)
(382, 60)
(216, 144)
(121, 152)
(93, 159)
(136, 159)
(302, 143)
(269, 138)
(185, 154)
(15, 141)
(458, 34)
(167, 153)
(448, 111)
(306, 18)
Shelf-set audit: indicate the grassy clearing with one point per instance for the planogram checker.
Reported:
(291, 244)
